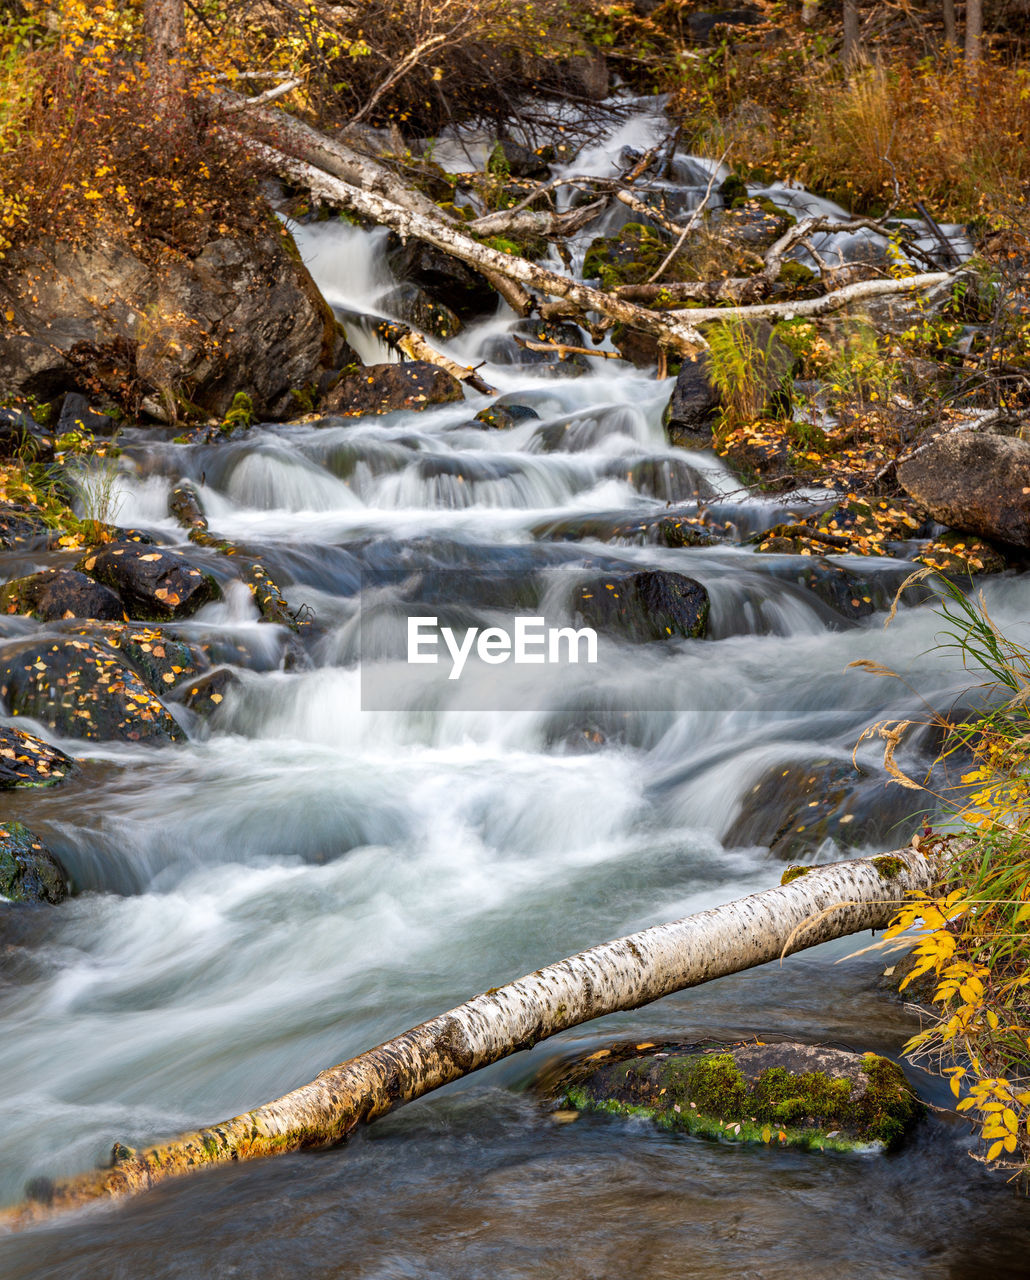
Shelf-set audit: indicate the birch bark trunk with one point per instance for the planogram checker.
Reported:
(825, 903)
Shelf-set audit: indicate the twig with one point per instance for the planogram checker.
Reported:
(692, 223)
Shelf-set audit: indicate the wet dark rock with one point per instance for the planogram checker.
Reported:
(443, 278)
(78, 415)
(184, 505)
(22, 528)
(639, 348)
(413, 305)
(204, 696)
(503, 416)
(160, 658)
(693, 407)
(22, 435)
(27, 761)
(29, 872)
(155, 584)
(808, 1096)
(795, 805)
(386, 388)
(976, 482)
(60, 593)
(848, 591)
(241, 314)
(642, 606)
(665, 529)
(81, 690)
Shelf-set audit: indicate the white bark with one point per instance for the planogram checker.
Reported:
(825, 903)
(670, 331)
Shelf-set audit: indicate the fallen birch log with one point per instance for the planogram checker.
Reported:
(672, 332)
(822, 904)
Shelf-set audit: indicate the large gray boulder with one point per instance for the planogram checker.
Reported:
(975, 482)
(243, 315)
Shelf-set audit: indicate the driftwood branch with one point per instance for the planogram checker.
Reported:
(825, 903)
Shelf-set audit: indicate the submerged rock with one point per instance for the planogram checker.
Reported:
(502, 416)
(205, 695)
(81, 690)
(385, 388)
(641, 606)
(60, 593)
(155, 584)
(29, 872)
(792, 1094)
(795, 805)
(27, 761)
(975, 482)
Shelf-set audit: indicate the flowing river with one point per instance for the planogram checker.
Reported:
(308, 876)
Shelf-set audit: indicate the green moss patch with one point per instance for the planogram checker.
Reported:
(784, 1094)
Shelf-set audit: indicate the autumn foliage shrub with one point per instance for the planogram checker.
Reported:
(86, 145)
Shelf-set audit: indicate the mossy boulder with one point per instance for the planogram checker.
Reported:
(789, 1094)
(154, 584)
(642, 606)
(81, 690)
(632, 257)
(27, 761)
(60, 593)
(29, 872)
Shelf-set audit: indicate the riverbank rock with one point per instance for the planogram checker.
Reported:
(787, 1094)
(81, 690)
(60, 593)
(693, 407)
(243, 315)
(27, 761)
(642, 606)
(385, 388)
(974, 481)
(29, 872)
(155, 584)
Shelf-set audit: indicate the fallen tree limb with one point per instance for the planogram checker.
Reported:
(416, 346)
(824, 903)
(451, 239)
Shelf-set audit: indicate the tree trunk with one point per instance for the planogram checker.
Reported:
(950, 26)
(164, 29)
(852, 33)
(974, 33)
(824, 903)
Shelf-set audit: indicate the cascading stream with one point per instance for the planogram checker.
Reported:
(304, 877)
